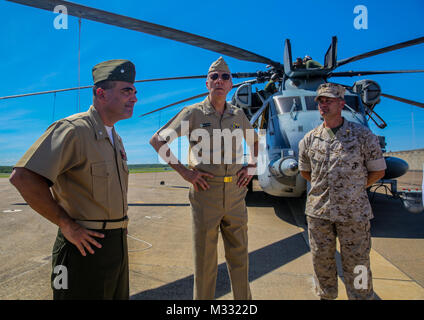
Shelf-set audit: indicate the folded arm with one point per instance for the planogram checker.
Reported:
(35, 190)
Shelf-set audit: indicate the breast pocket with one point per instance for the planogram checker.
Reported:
(317, 157)
(319, 164)
(100, 177)
(125, 174)
(351, 159)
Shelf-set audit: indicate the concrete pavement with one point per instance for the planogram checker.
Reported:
(161, 265)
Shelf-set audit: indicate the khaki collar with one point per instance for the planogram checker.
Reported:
(208, 108)
(98, 125)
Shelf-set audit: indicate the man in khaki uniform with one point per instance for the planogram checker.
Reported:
(218, 178)
(76, 176)
(340, 159)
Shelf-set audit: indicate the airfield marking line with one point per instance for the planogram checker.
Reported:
(389, 282)
(23, 273)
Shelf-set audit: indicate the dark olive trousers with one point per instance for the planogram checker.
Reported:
(99, 276)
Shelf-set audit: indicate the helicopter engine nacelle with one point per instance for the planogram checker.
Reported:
(243, 96)
(368, 90)
(287, 167)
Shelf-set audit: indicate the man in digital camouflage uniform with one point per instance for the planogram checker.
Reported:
(218, 178)
(76, 176)
(340, 159)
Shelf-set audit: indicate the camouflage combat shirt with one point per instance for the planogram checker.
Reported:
(339, 165)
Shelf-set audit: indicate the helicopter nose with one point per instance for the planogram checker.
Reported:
(289, 167)
(285, 167)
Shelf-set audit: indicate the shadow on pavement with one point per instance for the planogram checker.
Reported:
(392, 220)
(261, 262)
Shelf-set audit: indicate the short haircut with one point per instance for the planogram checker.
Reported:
(106, 84)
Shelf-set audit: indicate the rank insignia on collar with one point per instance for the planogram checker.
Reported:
(204, 125)
(236, 125)
(123, 155)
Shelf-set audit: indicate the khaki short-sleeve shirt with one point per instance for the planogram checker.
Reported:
(339, 166)
(88, 175)
(216, 142)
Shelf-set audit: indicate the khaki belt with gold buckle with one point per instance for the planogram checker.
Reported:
(226, 179)
(105, 224)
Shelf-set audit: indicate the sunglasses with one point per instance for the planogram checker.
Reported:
(224, 76)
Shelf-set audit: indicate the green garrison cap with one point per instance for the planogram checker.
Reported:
(219, 65)
(114, 70)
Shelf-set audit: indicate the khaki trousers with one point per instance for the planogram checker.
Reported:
(223, 208)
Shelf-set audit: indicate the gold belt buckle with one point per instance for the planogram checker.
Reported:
(228, 179)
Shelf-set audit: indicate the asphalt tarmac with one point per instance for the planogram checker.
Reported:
(160, 245)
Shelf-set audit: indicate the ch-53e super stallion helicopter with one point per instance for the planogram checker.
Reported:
(286, 115)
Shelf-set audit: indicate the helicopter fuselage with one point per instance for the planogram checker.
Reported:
(289, 115)
(282, 119)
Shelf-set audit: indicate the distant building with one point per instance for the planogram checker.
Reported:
(415, 158)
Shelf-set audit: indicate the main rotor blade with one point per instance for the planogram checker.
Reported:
(234, 75)
(43, 92)
(87, 87)
(382, 50)
(365, 73)
(150, 28)
(184, 100)
(175, 103)
(171, 78)
(238, 75)
(414, 103)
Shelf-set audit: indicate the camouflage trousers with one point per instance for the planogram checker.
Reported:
(355, 246)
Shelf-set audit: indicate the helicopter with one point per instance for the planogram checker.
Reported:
(289, 113)
(283, 117)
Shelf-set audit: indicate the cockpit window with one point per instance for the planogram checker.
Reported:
(351, 101)
(310, 103)
(287, 104)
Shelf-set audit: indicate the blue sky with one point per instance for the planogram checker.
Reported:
(37, 57)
